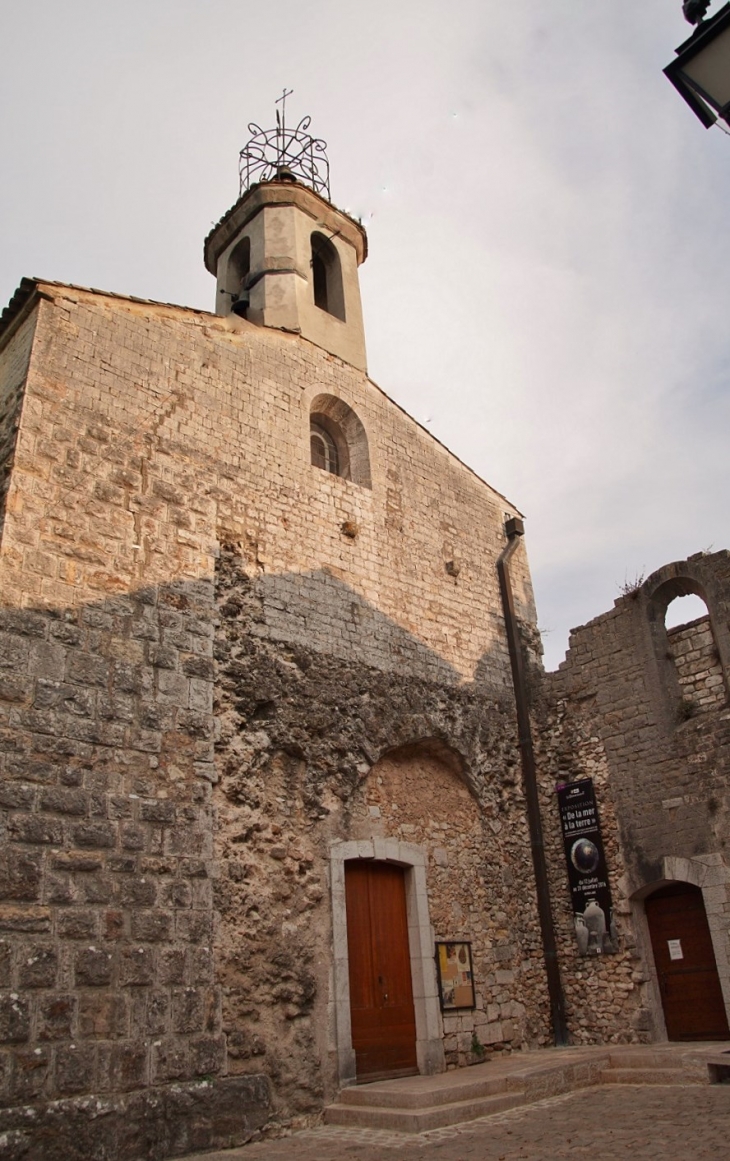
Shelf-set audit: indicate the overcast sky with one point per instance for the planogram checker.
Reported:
(547, 287)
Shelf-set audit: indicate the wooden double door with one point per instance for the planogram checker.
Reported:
(694, 1008)
(381, 990)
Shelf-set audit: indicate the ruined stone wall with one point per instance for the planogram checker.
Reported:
(619, 713)
(148, 435)
(668, 770)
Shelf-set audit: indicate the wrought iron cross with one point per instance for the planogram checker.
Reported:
(286, 93)
(271, 153)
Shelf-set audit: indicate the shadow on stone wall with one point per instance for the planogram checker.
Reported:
(109, 1003)
(110, 979)
(300, 731)
(319, 610)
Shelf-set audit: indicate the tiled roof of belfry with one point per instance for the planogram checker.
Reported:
(330, 205)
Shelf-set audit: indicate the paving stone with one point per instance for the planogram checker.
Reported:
(669, 1124)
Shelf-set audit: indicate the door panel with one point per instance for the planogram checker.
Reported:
(381, 992)
(690, 988)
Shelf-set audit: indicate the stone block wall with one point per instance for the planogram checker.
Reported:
(106, 919)
(151, 432)
(14, 360)
(149, 436)
(699, 669)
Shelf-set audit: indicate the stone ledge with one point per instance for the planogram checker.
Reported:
(153, 1124)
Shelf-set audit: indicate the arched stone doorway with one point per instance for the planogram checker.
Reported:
(414, 811)
(684, 958)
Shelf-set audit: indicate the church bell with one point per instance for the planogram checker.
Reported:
(240, 304)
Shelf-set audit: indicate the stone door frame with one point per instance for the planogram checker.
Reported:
(712, 876)
(429, 1025)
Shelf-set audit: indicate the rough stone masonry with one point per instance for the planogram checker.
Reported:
(225, 671)
(167, 542)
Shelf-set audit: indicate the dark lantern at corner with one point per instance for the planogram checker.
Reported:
(700, 71)
(284, 154)
(695, 11)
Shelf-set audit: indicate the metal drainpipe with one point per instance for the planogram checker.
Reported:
(514, 529)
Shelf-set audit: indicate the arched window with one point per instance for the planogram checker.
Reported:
(327, 277)
(683, 631)
(338, 441)
(324, 449)
(683, 609)
(319, 280)
(239, 268)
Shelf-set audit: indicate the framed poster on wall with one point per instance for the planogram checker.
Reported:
(455, 975)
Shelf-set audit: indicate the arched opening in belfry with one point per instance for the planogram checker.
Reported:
(327, 277)
(239, 268)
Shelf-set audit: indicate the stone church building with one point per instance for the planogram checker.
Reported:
(262, 779)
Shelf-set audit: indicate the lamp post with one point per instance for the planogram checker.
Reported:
(701, 70)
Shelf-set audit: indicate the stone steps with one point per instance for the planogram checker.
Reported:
(424, 1095)
(661, 1075)
(419, 1103)
(420, 1119)
(647, 1059)
(415, 1104)
(650, 1067)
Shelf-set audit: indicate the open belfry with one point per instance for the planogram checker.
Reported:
(271, 829)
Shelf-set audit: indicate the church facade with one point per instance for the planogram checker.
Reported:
(265, 830)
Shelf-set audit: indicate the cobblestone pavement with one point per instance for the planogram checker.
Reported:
(613, 1123)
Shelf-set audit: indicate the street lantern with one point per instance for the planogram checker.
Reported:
(701, 70)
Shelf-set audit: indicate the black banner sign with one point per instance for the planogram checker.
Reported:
(595, 930)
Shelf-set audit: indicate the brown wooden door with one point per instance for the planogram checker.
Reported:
(381, 992)
(689, 984)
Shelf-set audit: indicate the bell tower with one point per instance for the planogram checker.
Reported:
(284, 256)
